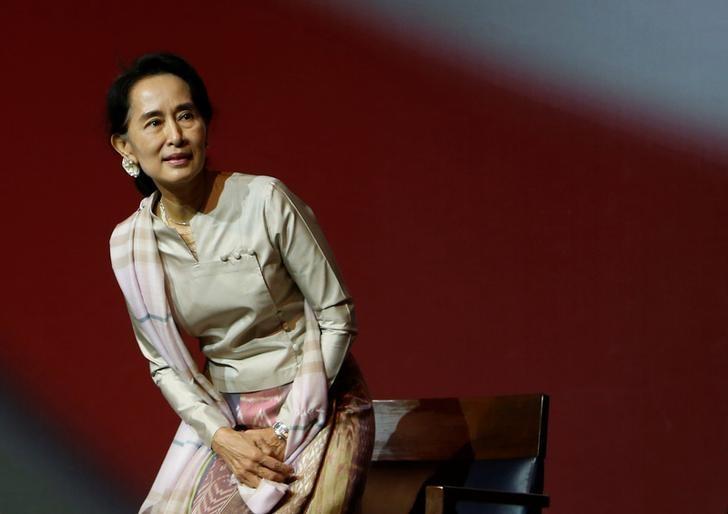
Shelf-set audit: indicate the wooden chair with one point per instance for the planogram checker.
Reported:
(438, 456)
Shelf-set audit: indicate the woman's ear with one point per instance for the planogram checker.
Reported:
(122, 146)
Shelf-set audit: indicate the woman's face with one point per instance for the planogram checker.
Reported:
(166, 135)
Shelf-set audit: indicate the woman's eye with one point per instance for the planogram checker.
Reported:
(154, 123)
(186, 115)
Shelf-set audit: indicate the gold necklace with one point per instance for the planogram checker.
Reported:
(167, 219)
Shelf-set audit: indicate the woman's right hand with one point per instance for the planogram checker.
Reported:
(246, 460)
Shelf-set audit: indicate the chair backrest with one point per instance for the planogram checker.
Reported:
(497, 443)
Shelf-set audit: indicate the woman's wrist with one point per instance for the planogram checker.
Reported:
(219, 436)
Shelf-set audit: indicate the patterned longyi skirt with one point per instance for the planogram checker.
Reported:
(330, 471)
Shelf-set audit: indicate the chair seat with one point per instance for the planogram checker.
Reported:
(466, 445)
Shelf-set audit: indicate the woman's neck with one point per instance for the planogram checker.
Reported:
(181, 203)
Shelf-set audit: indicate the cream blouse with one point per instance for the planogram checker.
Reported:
(260, 252)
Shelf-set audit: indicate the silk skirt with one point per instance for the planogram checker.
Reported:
(331, 470)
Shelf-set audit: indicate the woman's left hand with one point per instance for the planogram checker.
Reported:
(249, 456)
(267, 441)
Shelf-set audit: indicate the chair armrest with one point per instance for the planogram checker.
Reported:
(439, 497)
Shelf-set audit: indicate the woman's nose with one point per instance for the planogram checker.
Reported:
(174, 133)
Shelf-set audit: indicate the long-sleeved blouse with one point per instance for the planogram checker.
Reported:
(259, 253)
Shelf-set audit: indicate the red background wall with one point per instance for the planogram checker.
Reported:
(495, 241)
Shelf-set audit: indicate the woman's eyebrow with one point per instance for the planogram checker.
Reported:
(181, 107)
(187, 106)
(150, 114)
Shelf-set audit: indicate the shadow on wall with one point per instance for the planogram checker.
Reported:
(41, 471)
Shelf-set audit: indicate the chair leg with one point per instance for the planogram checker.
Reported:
(434, 500)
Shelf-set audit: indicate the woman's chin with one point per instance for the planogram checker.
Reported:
(179, 175)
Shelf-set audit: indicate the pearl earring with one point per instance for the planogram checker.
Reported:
(130, 167)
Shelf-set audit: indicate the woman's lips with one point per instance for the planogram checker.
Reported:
(178, 159)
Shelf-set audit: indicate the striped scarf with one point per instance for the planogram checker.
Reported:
(138, 269)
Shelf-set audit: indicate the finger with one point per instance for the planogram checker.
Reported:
(264, 447)
(279, 452)
(274, 440)
(276, 465)
(256, 455)
(249, 479)
(268, 474)
(264, 455)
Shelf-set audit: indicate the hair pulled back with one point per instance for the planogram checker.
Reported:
(117, 98)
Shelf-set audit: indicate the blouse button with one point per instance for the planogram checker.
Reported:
(237, 256)
(224, 258)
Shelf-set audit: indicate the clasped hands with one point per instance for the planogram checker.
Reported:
(252, 455)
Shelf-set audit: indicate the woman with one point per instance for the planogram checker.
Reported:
(239, 262)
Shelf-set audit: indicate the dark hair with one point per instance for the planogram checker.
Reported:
(117, 98)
